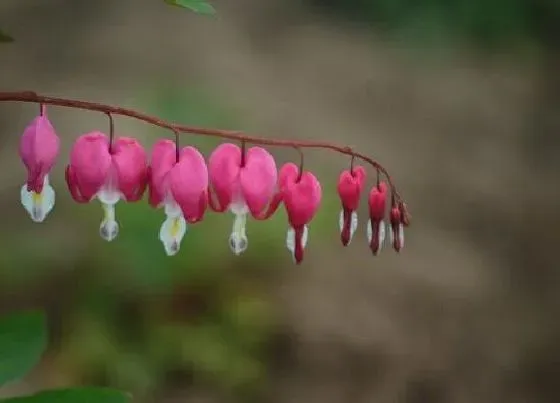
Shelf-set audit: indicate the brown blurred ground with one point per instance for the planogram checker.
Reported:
(468, 312)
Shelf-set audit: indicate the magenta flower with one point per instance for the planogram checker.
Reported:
(180, 187)
(301, 194)
(243, 184)
(350, 186)
(38, 150)
(376, 226)
(108, 172)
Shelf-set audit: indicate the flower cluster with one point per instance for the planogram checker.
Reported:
(245, 182)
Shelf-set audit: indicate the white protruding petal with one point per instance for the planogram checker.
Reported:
(172, 232)
(291, 239)
(400, 234)
(238, 241)
(381, 233)
(109, 228)
(38, 205)
(353, 223)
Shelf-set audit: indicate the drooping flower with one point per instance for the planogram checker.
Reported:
(181, 187)
(301, 194)
(243, 184)
(376, 226)
(397, 227)
(38, 150)
(350, 186)
(108, 172)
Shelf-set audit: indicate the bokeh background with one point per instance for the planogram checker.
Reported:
(460, 99)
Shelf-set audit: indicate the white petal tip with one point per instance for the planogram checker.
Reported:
(108, 230)
(238, 243)
(171, 233)
(38, 205)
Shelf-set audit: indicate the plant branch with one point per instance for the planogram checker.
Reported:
(30, 96)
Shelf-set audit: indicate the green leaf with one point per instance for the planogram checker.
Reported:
(23, 338)
(198, 6)
(5, 38)
(75, 395)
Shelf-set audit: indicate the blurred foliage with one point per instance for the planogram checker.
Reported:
(23, 338)
(198, 6)
(486, 22)
(138, 320)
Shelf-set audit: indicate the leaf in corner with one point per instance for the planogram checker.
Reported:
(198, 6)
(74, 395)
(23, 339)
(5, 38)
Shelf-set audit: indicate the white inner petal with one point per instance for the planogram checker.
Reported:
(172, 231)
(353, 223)
(238, 241)
(109, 228)
(38, 205)
(380, 234)
(401, 234)
(291, 239)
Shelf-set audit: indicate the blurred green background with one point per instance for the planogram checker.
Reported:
(460, 100)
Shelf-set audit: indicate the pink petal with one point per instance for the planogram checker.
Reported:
(129, 159)
(90, 163)
(377, 202)
(223, 167)
(38, 150)
(188, 181)
(302, 199)
(258, 179)
(163, 159)
(350, 185)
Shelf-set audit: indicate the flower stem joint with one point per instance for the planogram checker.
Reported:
(244, 181)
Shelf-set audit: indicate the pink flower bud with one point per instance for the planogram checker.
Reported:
(376, 226)
(350, 186)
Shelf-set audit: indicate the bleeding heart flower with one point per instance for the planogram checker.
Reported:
(350, 186)
(376, 226)
(110, 173)
(38, 150)
(301, 194)
(242, 185)
(180, 187)
(397, 228)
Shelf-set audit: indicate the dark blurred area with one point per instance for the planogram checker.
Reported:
(460, 100)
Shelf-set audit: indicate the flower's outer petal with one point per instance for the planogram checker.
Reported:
(350, 185)
(172, 232)
(130, 162)
(38, 149)
(302, 199)
(90, 163)
(38, 205)
(377, 202)
(224, 165)
(163, 158)
(258, 179)
(397, 229)
(288, 174)
(188, 181)
(73, 185)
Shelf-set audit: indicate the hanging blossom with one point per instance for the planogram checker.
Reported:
(376, 226)
(179, 183)
(38, 149)
(244, 183)
(350, 186)
(108, 172)
(300, 191)
(399, 219)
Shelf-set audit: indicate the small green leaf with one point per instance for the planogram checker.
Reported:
(23, 338)
(198, 6)
(5, 38)
(75, 395)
